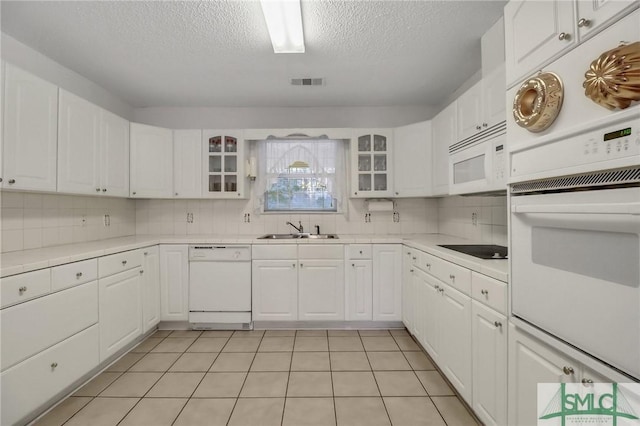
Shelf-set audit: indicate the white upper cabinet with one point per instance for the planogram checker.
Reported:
(469, 107)
(371, 161)
(223, 164)
(536, 32)
(444, 130)
(412, 160)
(30, 131)
(594, 16)
(494, 101)
(114, 155)
(78, 145)
(187, 163)
(151, 162)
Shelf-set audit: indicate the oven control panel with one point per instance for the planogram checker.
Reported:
(606, 145)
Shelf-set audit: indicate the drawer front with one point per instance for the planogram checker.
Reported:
(119, 262)
(359, 251)
(274, 251)
(321, 251)
(31, 327)
(426, 262)
(452, 274)
(74, 274)
(22, 287)
(489, 291)
(30, 384)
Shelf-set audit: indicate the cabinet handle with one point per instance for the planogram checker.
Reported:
(428, 266)
(104, 189)
(12, 181)
(97, 189)
(124, 262)
(485, 125)
(436, 286)
(485, 292)
(587, 382)
(441, 290)
(414, 258)
(497, 324)
(567, 370)
(586, 23)
(452, 277)
(79, 274)
(54, 365)
(22, 289)
(564, 36)
(478, 127)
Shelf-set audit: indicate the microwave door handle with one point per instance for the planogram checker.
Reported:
(617, 208)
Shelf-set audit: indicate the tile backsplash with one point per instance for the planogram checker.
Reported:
(30, 220)
(476, 218)
(227, 217)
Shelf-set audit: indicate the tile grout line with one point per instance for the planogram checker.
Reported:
(375, 379)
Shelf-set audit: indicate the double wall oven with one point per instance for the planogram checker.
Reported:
(575, 226)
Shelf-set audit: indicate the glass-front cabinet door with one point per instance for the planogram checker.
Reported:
(224, 157)
(371, 162)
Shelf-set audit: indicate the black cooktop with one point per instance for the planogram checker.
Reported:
(483, 251)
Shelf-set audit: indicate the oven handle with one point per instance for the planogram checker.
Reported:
(620, 208)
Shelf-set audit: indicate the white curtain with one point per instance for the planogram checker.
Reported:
(316, 167)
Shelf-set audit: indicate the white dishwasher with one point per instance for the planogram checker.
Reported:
(220, 286)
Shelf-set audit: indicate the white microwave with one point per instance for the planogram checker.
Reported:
(478, 167)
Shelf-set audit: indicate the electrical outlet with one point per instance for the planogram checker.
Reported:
(474, 219)
(396, 217)
(83, 220)
(189, 217)
(107, 220)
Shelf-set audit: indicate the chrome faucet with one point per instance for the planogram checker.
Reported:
(300, 229)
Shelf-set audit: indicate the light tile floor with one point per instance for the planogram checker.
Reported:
(273, 377)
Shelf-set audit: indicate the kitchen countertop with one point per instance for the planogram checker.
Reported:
(29, 260)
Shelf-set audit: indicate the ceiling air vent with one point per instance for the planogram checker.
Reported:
(307, 81)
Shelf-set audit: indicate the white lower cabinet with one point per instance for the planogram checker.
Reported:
(150, 288)
(427, 312)
(455, 315)
(321, 290)
(387, 282)
(120, 311)
(30, 384)
(358, 290)
(489, 341)
(174, 282)
(275, 290)
(407, 289)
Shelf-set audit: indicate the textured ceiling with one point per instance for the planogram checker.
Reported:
(218, 53)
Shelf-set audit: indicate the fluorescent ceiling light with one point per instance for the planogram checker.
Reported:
(284, 21)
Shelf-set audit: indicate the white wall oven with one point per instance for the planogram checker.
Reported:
(575, 238)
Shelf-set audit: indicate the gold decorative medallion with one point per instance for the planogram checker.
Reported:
(538, 102)
(613, 80)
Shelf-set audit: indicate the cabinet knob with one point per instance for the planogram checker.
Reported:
(12, 181)
(441, 290)
(124, 262)
(397, 193)
(485, 125)
(78, 275)
(134, 192)
(587, 382)
(485, 292)
(437, 287)
(0, 179)
(104, 189)
(239, 194)
(564, 36)
(146, 253)
(54, 365)
(355, 193)
(414, 258)
(141, 271)
(428, 266)
(360, 251)
(497, 324)
(478, 127)
(294, 265)
(586, 23)
(22, 289)
(301, 265)
(410, 270)
(176, 194)
(452, 277)
(567, 370)
(97, 189)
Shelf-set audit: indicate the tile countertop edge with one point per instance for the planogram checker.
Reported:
(31, 260)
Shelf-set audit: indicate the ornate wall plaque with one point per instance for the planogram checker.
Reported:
(538, 102)
(613, 80)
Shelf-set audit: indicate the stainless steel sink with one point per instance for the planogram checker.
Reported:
(297, 236)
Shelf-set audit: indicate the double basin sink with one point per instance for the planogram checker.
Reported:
(297, 236)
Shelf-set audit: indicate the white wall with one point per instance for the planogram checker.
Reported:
(30, 221)
(455, 218)
(220, 217)
(38, 64)
(273, 118)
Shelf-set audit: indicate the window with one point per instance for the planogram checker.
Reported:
(302, 175)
